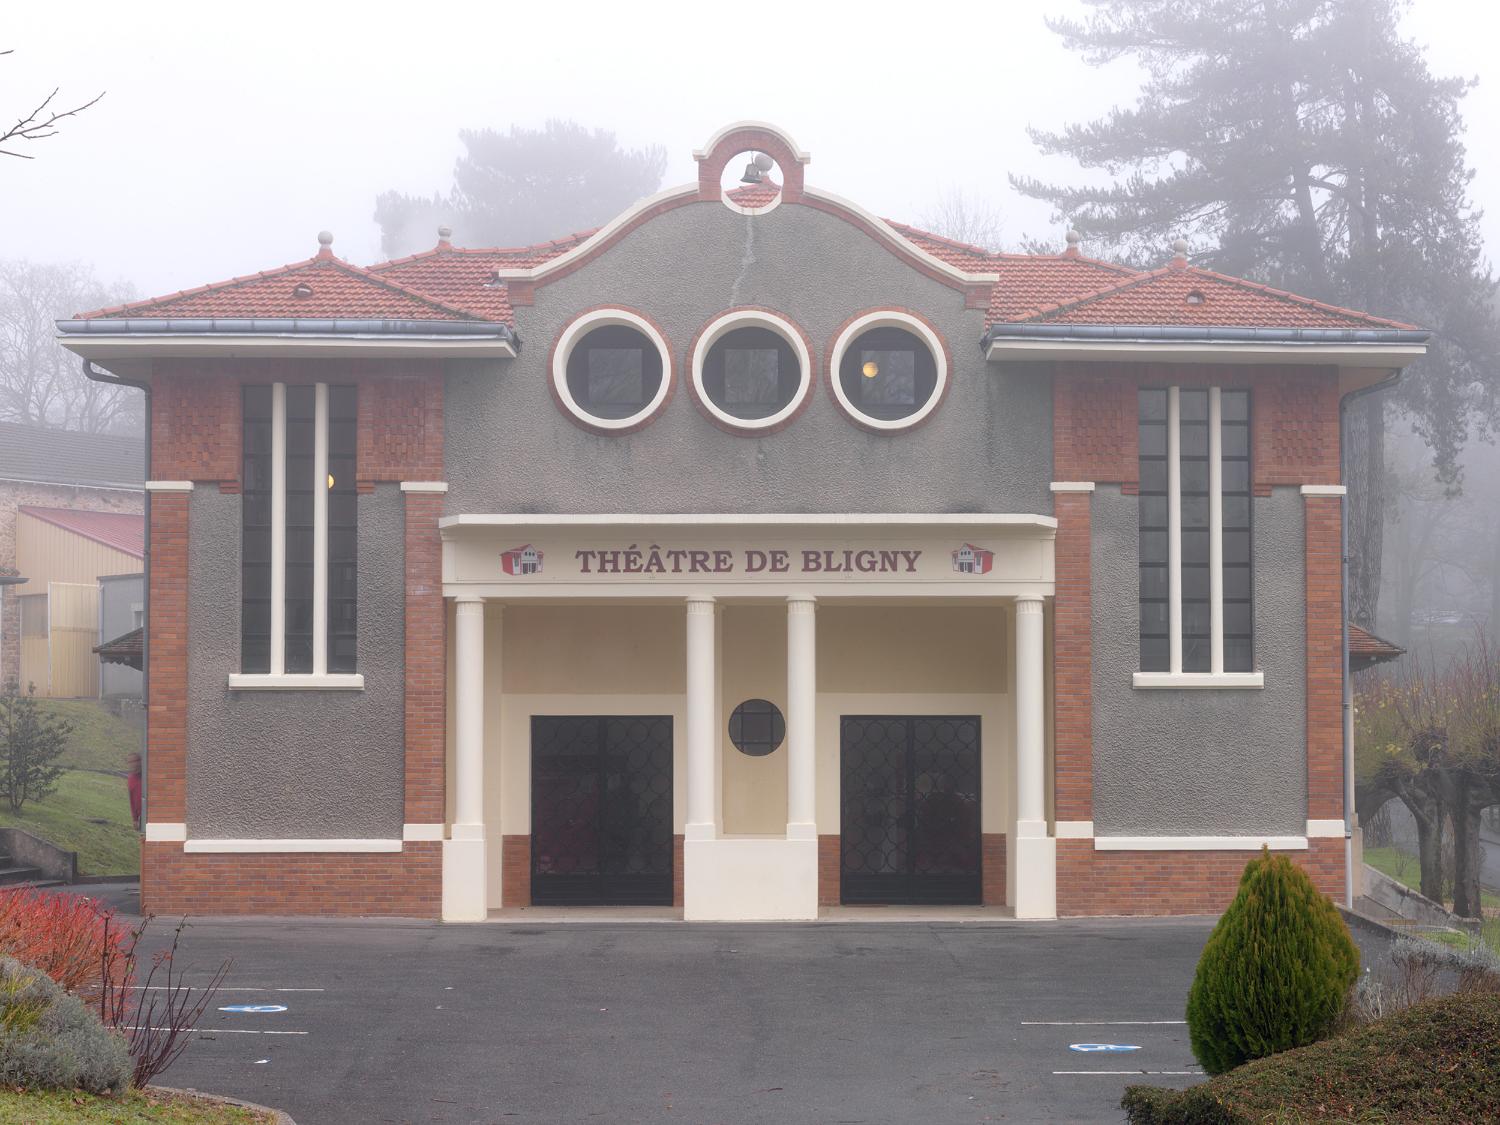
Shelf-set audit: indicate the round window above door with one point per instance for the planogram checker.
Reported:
(752, 370)
(611, 370)
(888, 370)
(757, 727)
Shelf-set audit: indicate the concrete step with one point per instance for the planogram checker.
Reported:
(10, 875)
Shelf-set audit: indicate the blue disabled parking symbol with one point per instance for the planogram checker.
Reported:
(1088, 1048)
(253, 1008)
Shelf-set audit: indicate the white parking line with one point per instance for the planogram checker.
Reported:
(221, 1030)
(228, 988)
(1194, 1073)
(1099, 1023)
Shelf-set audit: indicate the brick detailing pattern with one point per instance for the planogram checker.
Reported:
(407, 883)
(677, 885)
(830, 856)
(166, 757)
(401, 428)
(1294, 418)
(1091, 882)
(196, 404)
(426, 640)
(1072, 659)
(195, 428)
(992, 869)
(515, 871)
(1325, 702)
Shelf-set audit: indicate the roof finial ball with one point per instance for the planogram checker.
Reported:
(325, 244)
(1073, 239)
(1179, 252)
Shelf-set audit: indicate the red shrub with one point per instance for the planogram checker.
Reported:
(68, 937)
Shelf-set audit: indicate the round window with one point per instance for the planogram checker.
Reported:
(611, 369)
(889, 370)
(756, 727)
(751, 370)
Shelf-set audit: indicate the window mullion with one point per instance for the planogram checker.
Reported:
(320, 531)
(1215, 533)
(1174, 530)
(277, 664)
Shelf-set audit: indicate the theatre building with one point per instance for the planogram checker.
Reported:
(750, 555)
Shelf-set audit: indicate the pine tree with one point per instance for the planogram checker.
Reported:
(31, 741)
(1276, 970)
(1306, 144)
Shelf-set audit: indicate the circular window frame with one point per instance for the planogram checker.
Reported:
(721, 326)
(778, 720)
(888, 318)
(562, 350)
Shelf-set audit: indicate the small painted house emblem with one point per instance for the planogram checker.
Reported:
(525, 559)
(970, 559)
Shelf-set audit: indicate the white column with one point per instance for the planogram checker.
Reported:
(1174, 530)
(320, 531)
(702, 728)
(1215, 533)
(463, 853)
(801, 716)
(1034, 883)
(278, 529)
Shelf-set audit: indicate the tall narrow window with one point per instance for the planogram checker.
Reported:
(1196, 611)
(299, 569)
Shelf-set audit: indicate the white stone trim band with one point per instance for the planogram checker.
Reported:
(1325, 829)
(424, 486)
(1324, 490)
(1199, 843)
(411, 832)
(296, 681)
(165, 832)
(270, 846)
(1160, 680)
(168, 486)
(1075, 830)
(1072, 486)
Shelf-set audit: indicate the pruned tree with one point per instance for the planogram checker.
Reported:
(31, 740)
(1304, 143)
(40, 383)
(40, 123)
(523, 186)
(965, 218)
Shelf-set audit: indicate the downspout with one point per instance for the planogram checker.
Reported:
(100, 376)
(1348, 680)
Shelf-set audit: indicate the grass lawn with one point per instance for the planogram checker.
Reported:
(62, 1107)
(1403, 867)
(90, 814)
(100, 741)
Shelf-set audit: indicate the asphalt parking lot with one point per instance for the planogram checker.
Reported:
(837, 1024)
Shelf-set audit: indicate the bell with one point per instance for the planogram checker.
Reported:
(752, 174)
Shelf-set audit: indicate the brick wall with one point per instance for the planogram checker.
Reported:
(993, 869)
(1072, 659)
(830, 857)
(406, 883)
(15, 494)
(515, 871)
(426, 627)
(166, 713)
(1325, 697)
(1093, 882)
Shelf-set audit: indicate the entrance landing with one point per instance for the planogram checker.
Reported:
(554, 915)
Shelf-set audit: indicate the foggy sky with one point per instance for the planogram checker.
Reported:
(231, 133)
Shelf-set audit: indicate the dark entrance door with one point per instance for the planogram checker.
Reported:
(601, 810)
(910, 809)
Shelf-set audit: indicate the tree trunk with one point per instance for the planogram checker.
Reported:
(1365, 448)
(1466, 860)
(1427, 811)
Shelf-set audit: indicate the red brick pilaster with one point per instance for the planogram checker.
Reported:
(426, 640)
(1325, 701)
(515, 871)
(830, 857)
(992, 869)
(166, 781)
(1072, 660)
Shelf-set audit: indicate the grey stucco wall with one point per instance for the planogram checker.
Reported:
(1200, 762)
(510, 448)
(297, 764)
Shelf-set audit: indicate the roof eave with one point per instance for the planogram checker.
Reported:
(144, 337)
(1361, 347)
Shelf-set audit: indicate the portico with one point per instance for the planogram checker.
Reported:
(665, 627)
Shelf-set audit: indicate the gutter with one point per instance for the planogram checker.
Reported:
(1181, 333)
(1348, 680)
(281, 326)
(100, 376)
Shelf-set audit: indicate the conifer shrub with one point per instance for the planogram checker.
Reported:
(1276, 971)
(51, 1040)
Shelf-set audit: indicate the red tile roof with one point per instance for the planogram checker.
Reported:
(119, 530)
(321, 286)
(1182, 295)
(128, 649)
(1365, 645)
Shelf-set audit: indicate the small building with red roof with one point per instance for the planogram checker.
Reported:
(745, 422)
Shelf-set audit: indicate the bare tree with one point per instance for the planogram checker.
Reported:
(40, 123)
(40, 384)
(965, 219)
